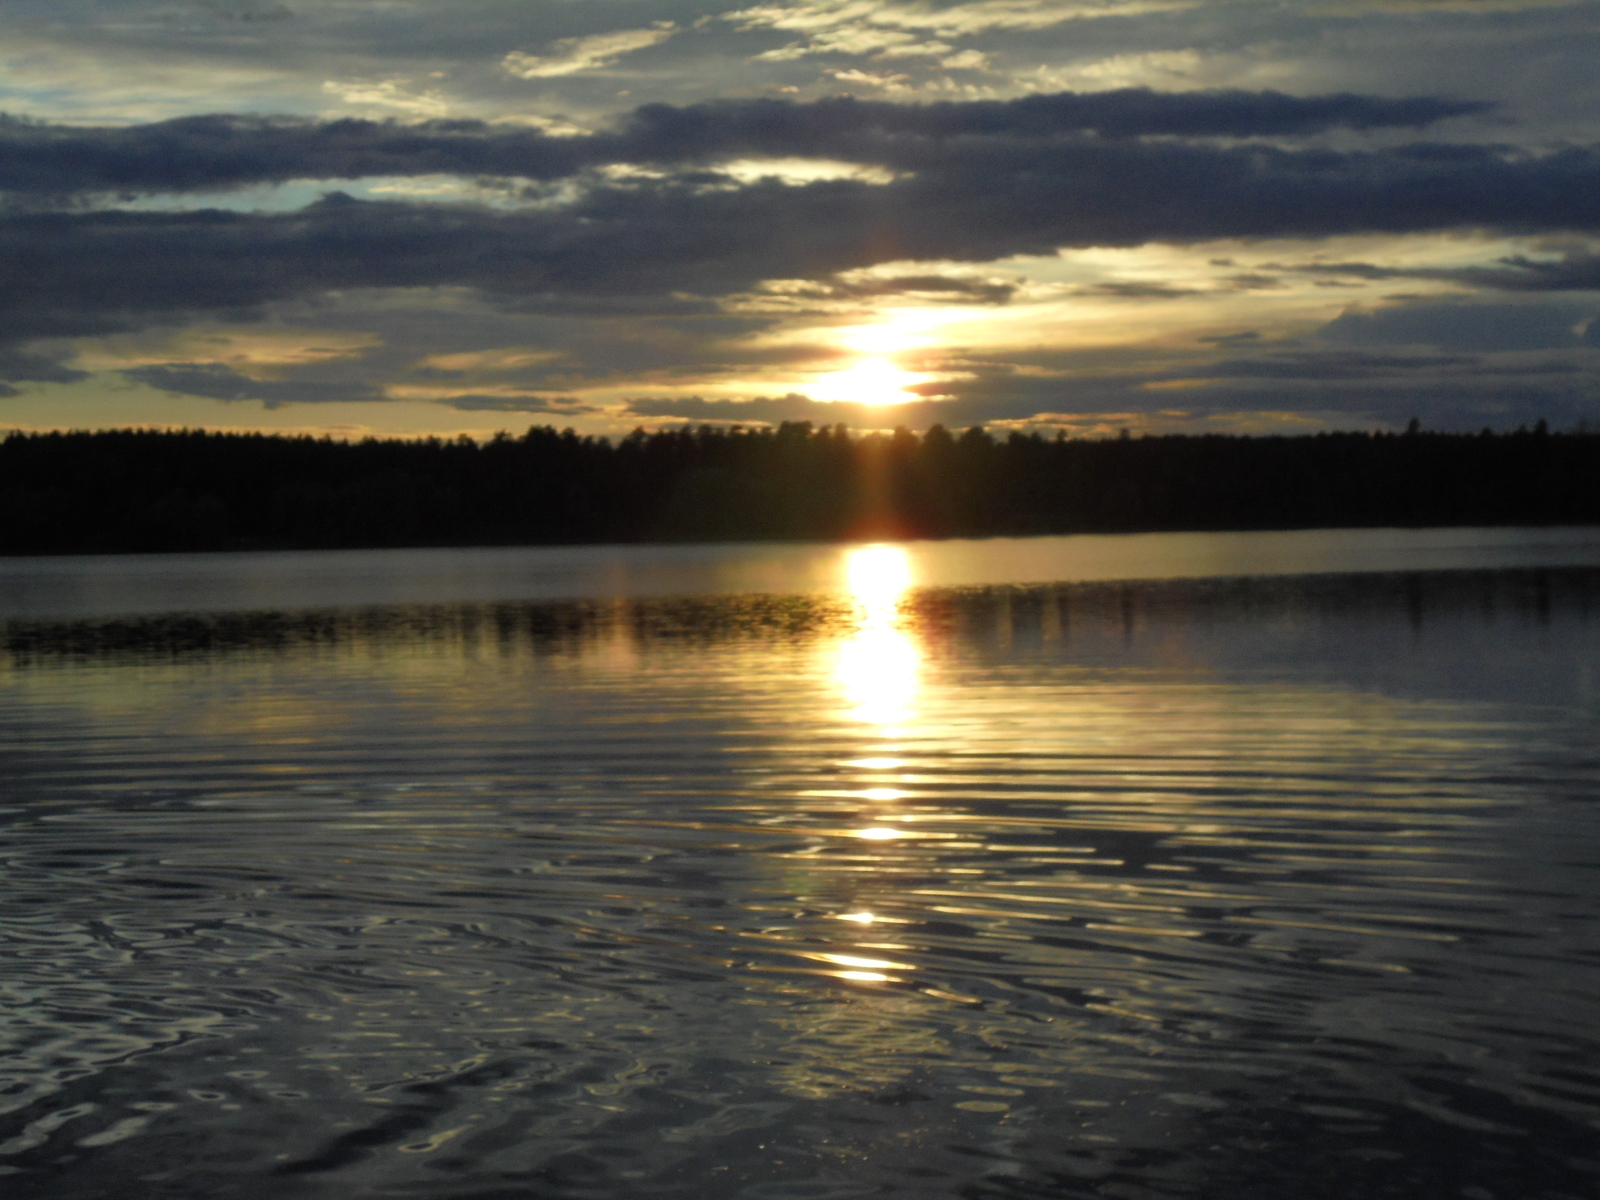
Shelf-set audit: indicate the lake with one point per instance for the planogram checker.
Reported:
(1228, 865)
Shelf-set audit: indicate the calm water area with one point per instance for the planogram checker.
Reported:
(1255, 866)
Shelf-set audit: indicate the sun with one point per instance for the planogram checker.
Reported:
(870, 381)
(876, 378)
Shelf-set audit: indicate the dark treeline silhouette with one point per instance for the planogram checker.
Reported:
(129, 490)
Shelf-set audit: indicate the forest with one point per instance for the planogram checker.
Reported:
(143, 490)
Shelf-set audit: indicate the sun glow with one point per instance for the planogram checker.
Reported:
(890, 337)
(870, 381)
(877, 378)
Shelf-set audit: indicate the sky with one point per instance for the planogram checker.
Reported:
(447, 217)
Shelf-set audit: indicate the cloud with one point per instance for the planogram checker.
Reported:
(630, 245)
(1094, 409)
(388, 93)
(1324, 366)
(243, 10)
(1351, 387)
(255, 350)
(647, 256)
(894, 133)
(855, 28)
(773, 410)
(498, 361)
(1133, 290)
(571, 55)
(966, 60)
(1464, 326)
(221, 151)
(888, 83)
(980, 201)
(1359, 7)
(1124, 70)
(1575, 271)
(480, 402)
(950, 287)
(217, 382)
(19, 366)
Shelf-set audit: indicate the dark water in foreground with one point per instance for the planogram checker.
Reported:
(1249, 888)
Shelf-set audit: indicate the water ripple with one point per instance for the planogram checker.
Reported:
(1250, 890)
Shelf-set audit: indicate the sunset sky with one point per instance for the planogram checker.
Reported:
(459, 216)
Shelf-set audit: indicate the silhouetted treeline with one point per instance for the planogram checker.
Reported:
(139, 490)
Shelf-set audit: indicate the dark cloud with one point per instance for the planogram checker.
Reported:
(972, 291)
(1331, 366)
(561, 405)
(217, 382)
(1349, 386)
(1254, 281)
(242, 10)
(1573, 272)
(1135, 291)
(220, 151)
(1355, 270)
(1015, 398)
(700, 132)
(19, 366)
(606, 307)
(1466, 327)
(659, 238)
(773, 410)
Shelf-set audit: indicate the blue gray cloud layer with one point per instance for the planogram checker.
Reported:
(972, 182)
(213, 152)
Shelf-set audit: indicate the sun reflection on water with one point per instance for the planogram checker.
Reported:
(878, 834)
(878, 665)
(877, 670)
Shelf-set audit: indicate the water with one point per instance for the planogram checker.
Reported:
(106, 585)
(1214, 887)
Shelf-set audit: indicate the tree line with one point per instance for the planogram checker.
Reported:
(143, 490)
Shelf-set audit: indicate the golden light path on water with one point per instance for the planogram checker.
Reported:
(877, 670)
(878, 665)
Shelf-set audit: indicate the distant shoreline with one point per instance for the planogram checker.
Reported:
(126, 491)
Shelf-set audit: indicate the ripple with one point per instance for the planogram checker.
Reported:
(1196, 890)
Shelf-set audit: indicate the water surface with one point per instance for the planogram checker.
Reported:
(104, 585)
(1263, 887)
